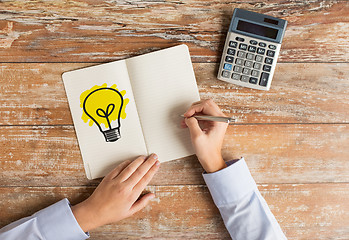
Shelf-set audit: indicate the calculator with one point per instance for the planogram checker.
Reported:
(251, 49)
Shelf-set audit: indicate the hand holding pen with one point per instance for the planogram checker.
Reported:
(207, 140)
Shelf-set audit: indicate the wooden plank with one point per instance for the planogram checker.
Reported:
(49, 156)
(56, 31)
(309, 211)
(33, 94)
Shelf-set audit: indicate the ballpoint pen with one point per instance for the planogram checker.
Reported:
(215, 118)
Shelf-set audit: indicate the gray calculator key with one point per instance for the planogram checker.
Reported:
(253, 42)
(231, 51)
(248, 64)
(255, 73)
(245, 78)
(239, 61)
(262, 44)
(246, 71)
(242, 46)
(241, 54)
(225, 74)
(264, 79)
(259, 58)
(257, 66)
(229, 59)
(233, 44)
(250, 56)
(237, 69)
(261, 51)
(235, 76)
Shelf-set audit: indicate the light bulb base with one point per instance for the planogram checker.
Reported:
(112, 135)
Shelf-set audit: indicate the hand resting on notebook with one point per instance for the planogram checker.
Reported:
(117, 196)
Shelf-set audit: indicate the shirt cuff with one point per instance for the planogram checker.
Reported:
(58, 220)
(230, 184)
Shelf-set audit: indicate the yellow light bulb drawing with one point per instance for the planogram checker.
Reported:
(104, 106)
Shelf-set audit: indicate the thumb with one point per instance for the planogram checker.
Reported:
(193, 126)
(142, 202)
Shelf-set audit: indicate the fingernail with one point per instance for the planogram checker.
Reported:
(157, 163)
(155, 156)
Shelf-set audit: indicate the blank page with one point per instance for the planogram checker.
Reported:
(164, 86)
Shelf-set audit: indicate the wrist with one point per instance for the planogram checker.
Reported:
(84, 217)
(213, 164)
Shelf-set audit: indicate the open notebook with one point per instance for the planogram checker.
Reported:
(132, 107)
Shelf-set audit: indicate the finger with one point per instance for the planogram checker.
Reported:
(142, 202)
(142, 183)
(194, 127)
(208, 107)
(142, 170)
(130, 169)
(183, 125)
(113, 173)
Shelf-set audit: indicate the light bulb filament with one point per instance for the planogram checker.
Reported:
(105, 114)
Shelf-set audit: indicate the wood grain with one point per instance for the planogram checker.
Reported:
(294, 137)
(180, 212)
(49, 156)
(33, 94)
(58, 31)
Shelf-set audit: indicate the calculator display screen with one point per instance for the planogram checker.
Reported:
(257, 29)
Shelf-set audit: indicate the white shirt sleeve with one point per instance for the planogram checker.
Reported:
(245, 213)
(54, 222)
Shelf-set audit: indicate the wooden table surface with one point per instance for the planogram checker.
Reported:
(295, 137)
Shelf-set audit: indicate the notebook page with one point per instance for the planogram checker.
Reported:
(164, 87)
(99, 155)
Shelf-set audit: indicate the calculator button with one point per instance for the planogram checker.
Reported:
(257, 66)
(253, 80)
(231, 51)
(239, 61)
(229, 59)
(235, 76)
(233, 44)
(259, 58)
(227, 66)
(245, 78)
(250, 56)
(241, 54)
(238, 69)
(264, 79)
(267, 68)
(273, 47)
(262, 44)
(270, 53)
(261, 51)
(255, 73)
(248, 64)
(240, 39)
(253, 42)
(225, 74)
(242, 46)
(252, 48)
(246, 71)
(268, 60)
